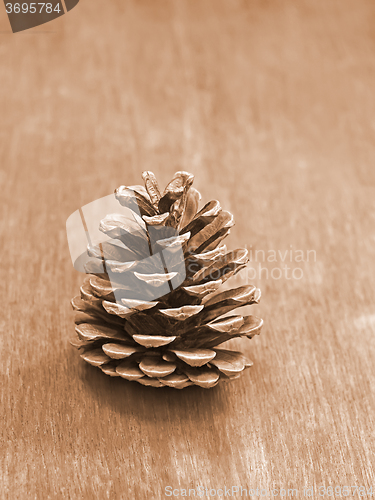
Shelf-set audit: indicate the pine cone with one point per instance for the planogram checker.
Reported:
(171, 340)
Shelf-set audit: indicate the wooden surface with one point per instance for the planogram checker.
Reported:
(271, 105)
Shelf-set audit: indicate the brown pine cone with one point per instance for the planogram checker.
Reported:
(163, 328)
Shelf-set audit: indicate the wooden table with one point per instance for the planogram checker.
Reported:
(271, 105)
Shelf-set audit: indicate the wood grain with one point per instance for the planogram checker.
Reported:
(271, 105)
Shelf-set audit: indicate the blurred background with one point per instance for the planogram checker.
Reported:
(270, 103)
